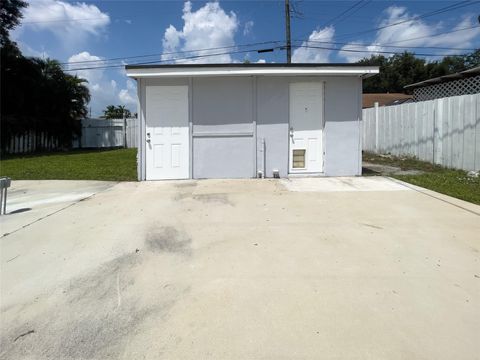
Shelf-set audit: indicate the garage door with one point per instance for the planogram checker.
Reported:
(167, 132)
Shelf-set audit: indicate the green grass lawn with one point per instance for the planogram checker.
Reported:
(451, 182)
(112, 165)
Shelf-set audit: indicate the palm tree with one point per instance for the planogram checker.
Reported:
(116, 112)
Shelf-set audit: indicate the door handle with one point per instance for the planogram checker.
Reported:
(291, 132)
(148, 141)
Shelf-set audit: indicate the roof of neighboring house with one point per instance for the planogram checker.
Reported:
(175, 70)
(383, 99)
(441, 79)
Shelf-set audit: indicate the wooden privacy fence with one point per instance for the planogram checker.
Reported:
(96, 133)
(443, 131)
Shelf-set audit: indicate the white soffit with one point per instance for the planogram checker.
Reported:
(157, 72)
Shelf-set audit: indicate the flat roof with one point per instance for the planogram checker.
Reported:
(179, 70)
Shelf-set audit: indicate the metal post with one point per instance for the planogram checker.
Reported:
(4, 184)
(124, 130)
(5, 202)
(287, 30)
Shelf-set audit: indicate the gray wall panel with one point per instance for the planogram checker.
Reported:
(222, 104)
(222, 157)
(342, 126)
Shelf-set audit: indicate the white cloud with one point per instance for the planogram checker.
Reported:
(128, 96)
(247, 29)
(103, 91)
(69, 22)
(83, 59)
(308, 54)
(359, 50)
(261, 61)
(413, 33)
(208, 27)
(29, 51)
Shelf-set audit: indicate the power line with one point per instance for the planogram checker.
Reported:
(352, 12)
(385, 45)
(62, 20)
(452, 7)
(433, 35)
(244, 51)
(168, 53)
(168, 60)
(369, 51)
(332, 21)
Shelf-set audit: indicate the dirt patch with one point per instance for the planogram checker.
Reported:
(382, 169)
(168, 239)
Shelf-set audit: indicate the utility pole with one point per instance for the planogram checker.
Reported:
(287, 31)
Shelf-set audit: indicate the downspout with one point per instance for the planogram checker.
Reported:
(360, 124)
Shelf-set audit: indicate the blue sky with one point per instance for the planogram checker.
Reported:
(85, 34)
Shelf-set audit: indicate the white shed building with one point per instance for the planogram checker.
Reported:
(248, 120)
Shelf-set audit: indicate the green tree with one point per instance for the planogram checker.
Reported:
(10, 15)
(404, 69)
(38, 97)
(116, 112)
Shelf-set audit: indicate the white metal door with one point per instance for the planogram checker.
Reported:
(306, 127)
(167, 134)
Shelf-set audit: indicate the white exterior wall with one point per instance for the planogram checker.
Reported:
(231, 115)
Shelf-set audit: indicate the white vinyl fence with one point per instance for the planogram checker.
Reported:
(443, 131)
(96, 133)
(29, 142)
(101, 133)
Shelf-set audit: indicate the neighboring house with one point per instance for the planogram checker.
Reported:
(462, 83)
(245, 120)
(385, 99)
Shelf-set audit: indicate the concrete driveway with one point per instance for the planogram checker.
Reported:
(347, 268)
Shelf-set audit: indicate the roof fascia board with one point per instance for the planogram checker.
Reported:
(178, 72)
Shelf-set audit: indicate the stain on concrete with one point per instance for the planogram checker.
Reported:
(185, 184)
(168, 239)
(86, 319)
(94, 286)
(182, 196)
(213, 198)
(219, 198)
(186, 190)
(373, 226)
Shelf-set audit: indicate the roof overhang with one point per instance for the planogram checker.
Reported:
(194, 70)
